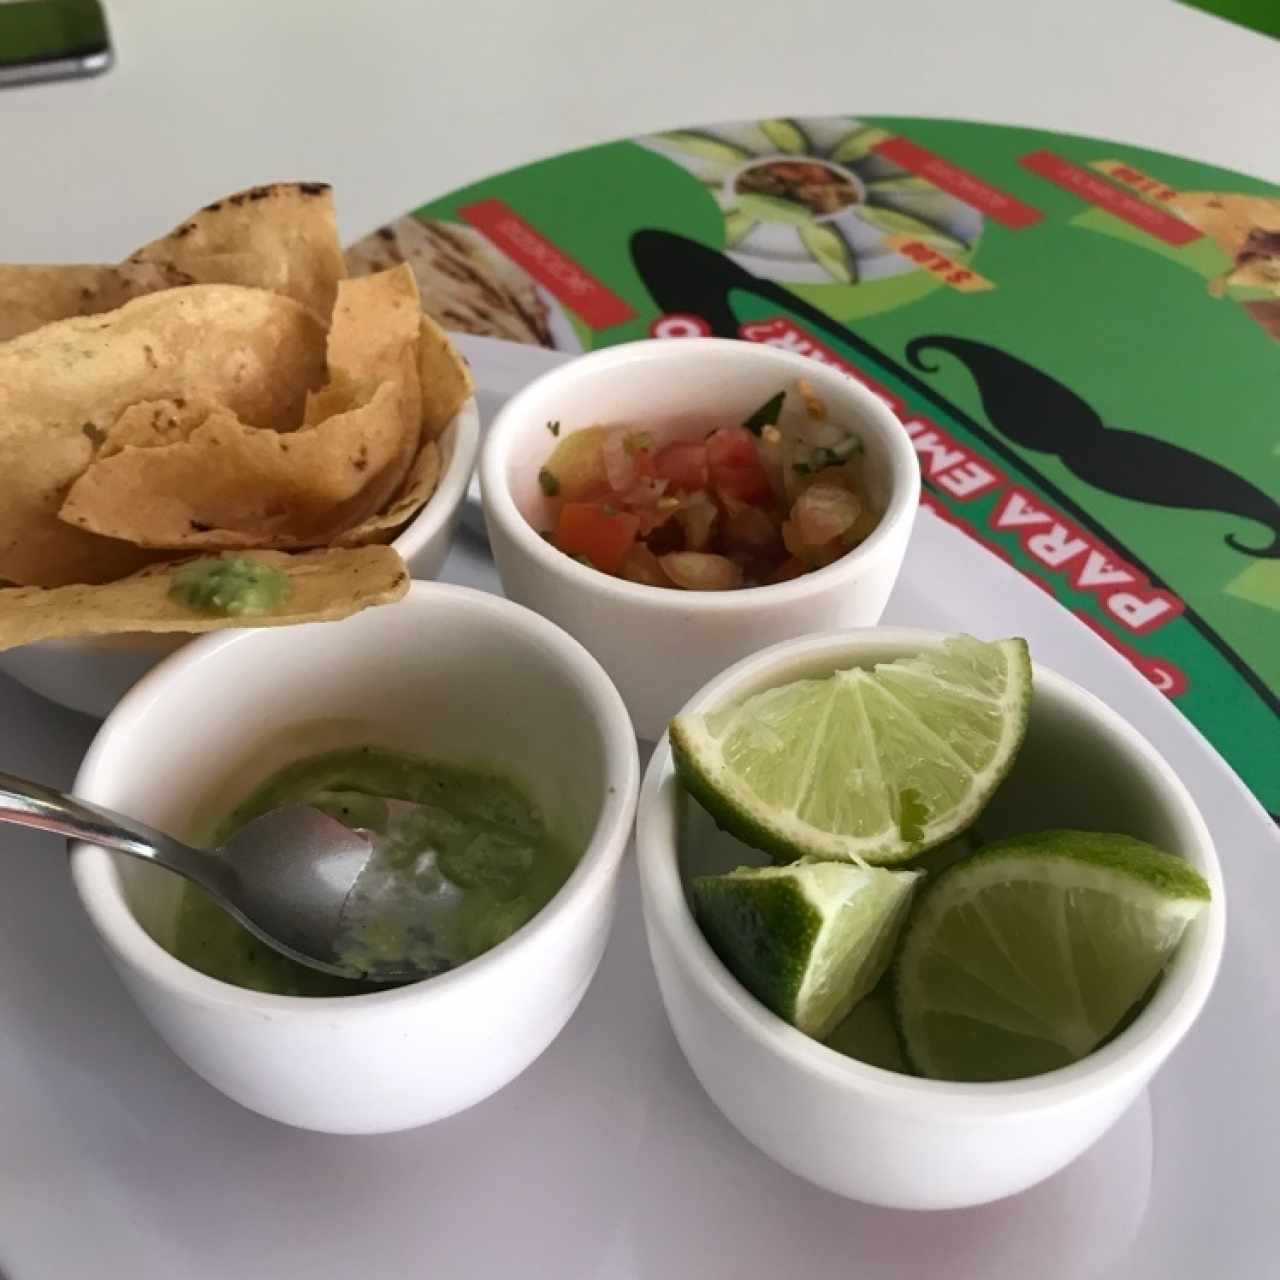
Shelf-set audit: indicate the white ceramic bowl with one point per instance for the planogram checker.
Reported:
(660, 645)
(92, 674)
(447, 673)
(877, 1135)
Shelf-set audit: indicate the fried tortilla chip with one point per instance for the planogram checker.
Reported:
(418, 486)
(446, 379)
(253, 353)
(153, 422)
(1246, 228)
(374, 339)
(229, 484)
(31, 296)
(325, 586)
(446, 385)
(281, 237)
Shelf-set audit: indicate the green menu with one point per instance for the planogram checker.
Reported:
(1082, 338)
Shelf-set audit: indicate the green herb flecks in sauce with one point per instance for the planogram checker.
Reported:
(452, 879)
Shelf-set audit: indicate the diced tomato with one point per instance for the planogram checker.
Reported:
(685, 465)
(747, 484)
(736, 470)
(731, 447)
(601, 534)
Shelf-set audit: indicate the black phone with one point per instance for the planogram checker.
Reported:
(52, 40)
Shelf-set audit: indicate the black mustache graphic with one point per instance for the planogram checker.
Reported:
(683, 275)
(1036, 411)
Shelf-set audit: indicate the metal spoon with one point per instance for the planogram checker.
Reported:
(286, 876)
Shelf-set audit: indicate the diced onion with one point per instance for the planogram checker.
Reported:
(697, 571)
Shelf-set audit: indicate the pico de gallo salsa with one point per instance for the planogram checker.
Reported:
(741, 505)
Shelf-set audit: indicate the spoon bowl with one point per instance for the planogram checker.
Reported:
(289, 876)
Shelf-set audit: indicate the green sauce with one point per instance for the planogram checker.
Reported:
(453, 879)
(233, 587)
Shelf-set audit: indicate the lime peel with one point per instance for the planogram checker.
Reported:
(809, 940)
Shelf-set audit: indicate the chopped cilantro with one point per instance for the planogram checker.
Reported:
(548, 483)
(554, 428)
(637, 441)
(766, 415)
(822, 457)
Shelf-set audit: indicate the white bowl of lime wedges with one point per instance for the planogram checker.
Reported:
(926, 918)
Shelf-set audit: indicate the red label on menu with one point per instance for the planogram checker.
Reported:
(960, 183)
(1123, 204)
(548, 264)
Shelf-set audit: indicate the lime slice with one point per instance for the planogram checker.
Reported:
(809, 940)
(1029, 954)
(873, 765)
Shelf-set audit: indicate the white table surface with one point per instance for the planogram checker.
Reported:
(396, 101)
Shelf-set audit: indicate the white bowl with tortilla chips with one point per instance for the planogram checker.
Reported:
(225, 392)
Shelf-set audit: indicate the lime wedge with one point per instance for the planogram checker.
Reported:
(876, 765)
(870, 1032)
(1029, 954)
(809, 940)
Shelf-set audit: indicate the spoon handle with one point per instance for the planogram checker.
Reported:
(31, 804)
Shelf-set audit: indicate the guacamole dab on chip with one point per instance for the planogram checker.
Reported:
(230, 586)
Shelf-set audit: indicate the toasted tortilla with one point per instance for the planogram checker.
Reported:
(445, 377)
(373, 339)
(31, 296)
(418, 486)
(446, 384)
(325, 585)
(154, 422)
(281, 237)
(228, 484)
(252, 353)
